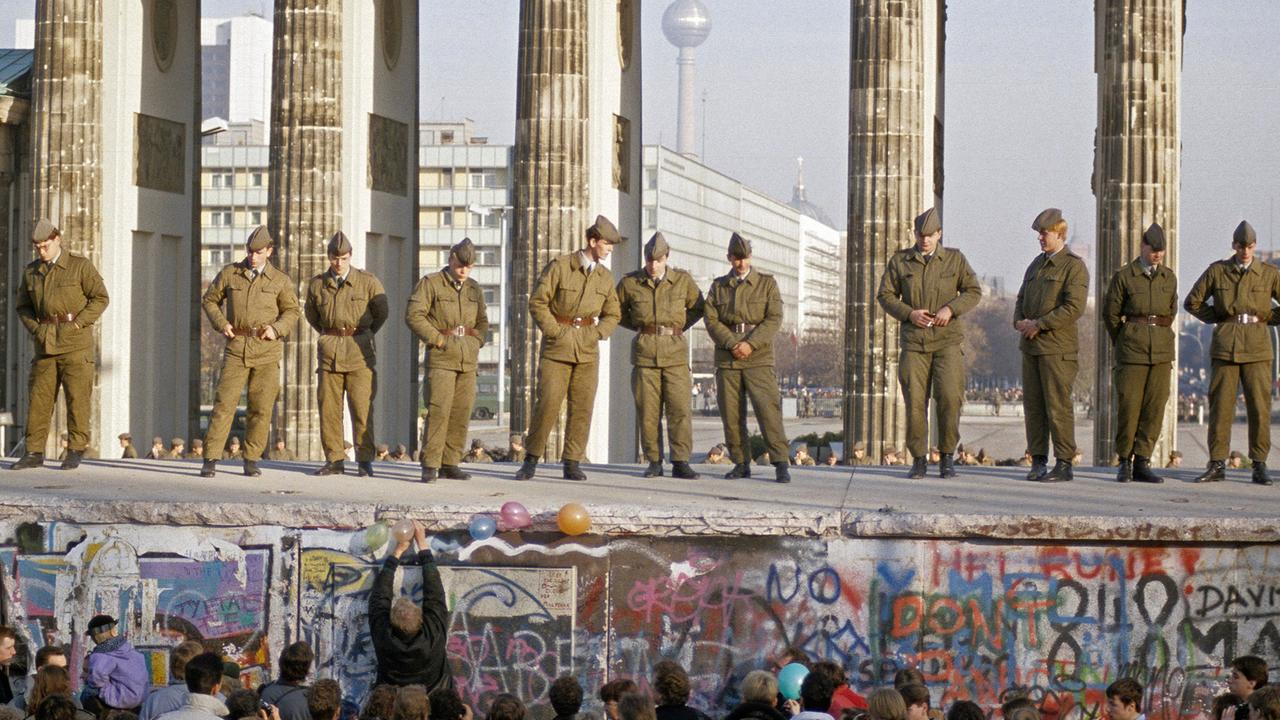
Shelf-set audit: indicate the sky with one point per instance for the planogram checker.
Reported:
(1020, 113)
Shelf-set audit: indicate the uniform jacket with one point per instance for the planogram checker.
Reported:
(674, 301)
(1131, 293)
(566, 289)
(753, 300)
(439, 303)
(910, 283)
(72, 286)
(269, 300)
(360, 302)
(1222, 292)
(1053, 293)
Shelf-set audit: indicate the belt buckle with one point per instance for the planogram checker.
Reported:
(1243, 319)
(459, 331)
(666, 330)
(576, 322)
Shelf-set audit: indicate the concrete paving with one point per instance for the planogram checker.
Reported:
(862, 502)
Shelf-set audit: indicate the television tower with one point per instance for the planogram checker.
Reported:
(686, 23)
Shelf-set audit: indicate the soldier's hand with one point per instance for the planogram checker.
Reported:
(943, 318)
(921, 318)
(229, 331)
(737, 350)
(269, 333)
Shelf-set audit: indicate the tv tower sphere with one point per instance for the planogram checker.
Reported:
(686, 23)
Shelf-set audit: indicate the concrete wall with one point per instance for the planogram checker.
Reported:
(976, 617)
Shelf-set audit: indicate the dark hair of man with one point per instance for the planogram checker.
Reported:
(242, 703)
(965, 710)
(1128, 691)
(411, 703)
(565, 695)
(56, 707)
(324, 699)
(381, 703)
(46, 652)
(1222, 703)
(915, 694)
(203, 673)
(636, 706)
(1266, 701)
(1014, 701)
(833, 671)
(907, 676)
(671, 683)
(816, 691)
(613, 690)
(8, 632)
(1253, 668)
(295, 662)
(446, 704)
(118, 714)
(180, 656)
(506, 707)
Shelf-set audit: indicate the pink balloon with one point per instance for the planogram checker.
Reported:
(514, 516)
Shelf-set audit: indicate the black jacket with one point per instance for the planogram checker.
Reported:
(418, 660)
(755, 711)
(679, 712)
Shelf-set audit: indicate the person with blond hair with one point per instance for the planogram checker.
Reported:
(759, 690)
(886, 704)
(408, 640)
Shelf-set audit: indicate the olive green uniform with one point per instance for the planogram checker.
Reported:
(1240, 351)
(1138, 310)
(747, 310)
(249, 305)
(58, 303)
(1053, 293)
(930, 360)
(450, 318)
(575, 309)
(660, 312)
(347, 313)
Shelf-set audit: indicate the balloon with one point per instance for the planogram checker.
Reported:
(789, 680)
(482, 527)
(573, 519)
(402, 531)
(375, 536)
(514, 516)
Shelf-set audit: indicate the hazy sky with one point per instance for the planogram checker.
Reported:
(1020, 107)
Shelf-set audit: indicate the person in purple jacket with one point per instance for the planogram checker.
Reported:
(115, 674)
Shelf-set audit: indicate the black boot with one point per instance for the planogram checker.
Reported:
(572, 471)
(428, 474)
(919, 467)
(364, 468)
(1216, 472)
(30, 460)
(654, 469)
(1039, 467)
(740, 470)
(1142, 470)
(72, 460)
(680, 469)
(1124, 473)
(331, 468)
(208, 468)
(947, 465)
(527, 470)
(782, 474)
(1260, 476)
(453, 472)
(251, 468)
(1061, 472)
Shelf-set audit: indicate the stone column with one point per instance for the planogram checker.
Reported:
(306, 163)
(66, 136)
(551, 175)
(886, 190)
(1136, 168)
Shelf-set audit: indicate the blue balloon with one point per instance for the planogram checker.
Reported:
(482, 528)
(789, 680)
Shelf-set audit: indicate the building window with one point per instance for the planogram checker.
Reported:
(255, 217)
(446, 217)
(486, 256)
(446, 137)
(255, 180)
(651, 178)
(651, 217)
(490, 295)
(220, 217)
(222, 180)
(482, 180)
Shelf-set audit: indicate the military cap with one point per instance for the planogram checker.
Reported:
(43, 231)
(860, 446)
(1046, 219)
(1175, 454)
(383, 447)
(125, 436)
(157, 440)
(259, 239)
(739, 247)
(656, 247)
(515, 437)
(178, 441)
(339, 245)
(477, 443)
(928, 222)
(464, 252)
(1236, 454)
(1154, 237)
(1244, 234)
(605, 230)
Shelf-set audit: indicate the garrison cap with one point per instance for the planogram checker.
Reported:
(157, 440)
(43, 231)
(259, 239)
(1046, 219)
(656, 247)
(928, 222)
(464, 252)
(1175, 454)
(605, 230)
(739, 247)
(1154, 237)
(339, 245)
(178, 441)
(125, 436)
(860, 446)
(1244, 234)
(100, 623)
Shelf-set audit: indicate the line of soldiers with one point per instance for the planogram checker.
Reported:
(575, 304)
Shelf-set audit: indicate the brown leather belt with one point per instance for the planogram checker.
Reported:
(341, 332)
(742, 328)
(1156, 320)
(1244, 319)
(247, 332)
(575, 321)
(661, 330)
(58, 319)
(459, 331)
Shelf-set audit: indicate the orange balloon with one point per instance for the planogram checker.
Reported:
(573, 519)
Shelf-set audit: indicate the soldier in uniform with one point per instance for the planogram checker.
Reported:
(1138, 310)
(575, 306)
(447, 313)
(60, 297)
(347, 306)
(255, 305)
(858, 454)
(660, 304)
(1052, 298)
(926, 288)
(126, 445)
(743, 313)
(1235, 295)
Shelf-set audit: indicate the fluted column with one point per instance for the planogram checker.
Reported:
(66, 136)
(886, 190)
(1136, 168)
(551, 174)
(306, 145)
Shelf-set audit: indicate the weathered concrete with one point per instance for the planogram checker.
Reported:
(1137, 167)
